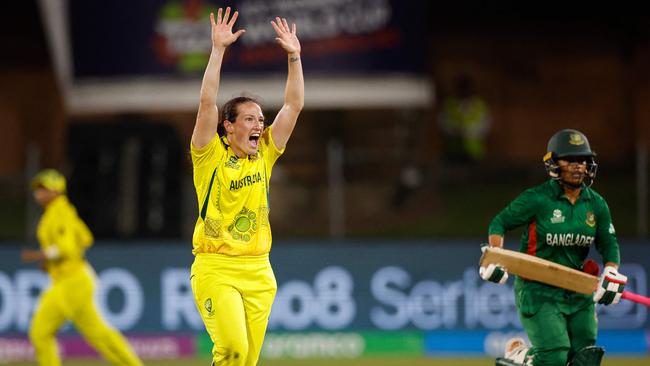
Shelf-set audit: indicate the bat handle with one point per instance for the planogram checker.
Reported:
(636, 298)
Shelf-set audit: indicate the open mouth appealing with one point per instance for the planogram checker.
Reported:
(254, 140)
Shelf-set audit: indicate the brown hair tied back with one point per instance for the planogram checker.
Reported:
(229, 111)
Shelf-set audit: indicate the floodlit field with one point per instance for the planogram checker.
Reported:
(610, 361)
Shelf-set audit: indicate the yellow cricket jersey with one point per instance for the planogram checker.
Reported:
(233, 198)
(61, 230)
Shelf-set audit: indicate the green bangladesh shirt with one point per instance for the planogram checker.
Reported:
(558, 230)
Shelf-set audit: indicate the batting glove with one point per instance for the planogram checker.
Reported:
(610, 286)
(493, 272)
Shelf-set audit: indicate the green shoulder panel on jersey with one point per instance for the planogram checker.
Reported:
(204, 207)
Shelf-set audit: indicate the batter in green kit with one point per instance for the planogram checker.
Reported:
(563, 218)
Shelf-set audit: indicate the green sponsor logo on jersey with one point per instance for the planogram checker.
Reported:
(244, 225)
(557, 218)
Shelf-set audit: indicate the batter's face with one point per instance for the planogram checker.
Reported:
(245, 133)
(573, 169)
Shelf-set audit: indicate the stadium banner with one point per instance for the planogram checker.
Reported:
(148, 347)
(171, 38)
(342, 344)
(361, 297)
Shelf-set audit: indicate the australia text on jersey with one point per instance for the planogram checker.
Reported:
(246, 181)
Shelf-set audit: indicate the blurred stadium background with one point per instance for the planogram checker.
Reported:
(376, 226)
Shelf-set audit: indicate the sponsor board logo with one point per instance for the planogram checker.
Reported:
(313, 345)
(15, 350)
(169, 347)
(333, 298)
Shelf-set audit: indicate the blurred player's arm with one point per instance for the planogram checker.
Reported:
(606, 241)
(519, 212)
(49, 250)
(47, 237)
(294, 94)
(65, 236)
(32, 255)
(83, 237)
(207, 117)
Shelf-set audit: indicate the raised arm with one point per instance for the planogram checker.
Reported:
(294, 94)
(207, 117)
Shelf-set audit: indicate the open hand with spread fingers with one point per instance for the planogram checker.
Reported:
(610, 286)
(222, 35)
(286, 36)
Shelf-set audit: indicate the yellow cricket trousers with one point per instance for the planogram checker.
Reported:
(71, 298)
(234, 297)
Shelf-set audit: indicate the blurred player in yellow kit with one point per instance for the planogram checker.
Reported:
(63, 239)
(232, 156)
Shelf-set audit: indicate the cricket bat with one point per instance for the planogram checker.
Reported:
(542, 270)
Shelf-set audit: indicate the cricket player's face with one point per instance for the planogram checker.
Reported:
(44, 196)
(573, 169)
(245, 133)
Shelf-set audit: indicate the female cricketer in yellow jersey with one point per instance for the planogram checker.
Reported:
(64, 238)
(232, 156)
